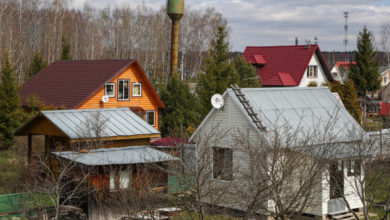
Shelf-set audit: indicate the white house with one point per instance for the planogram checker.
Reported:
(340, 70)
(295, 65)
(308, 121)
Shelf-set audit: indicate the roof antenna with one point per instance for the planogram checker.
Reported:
(307, 44)
(316, 40)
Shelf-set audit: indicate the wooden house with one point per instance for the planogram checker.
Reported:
(91, 84)
(297, 65)
(302, 121)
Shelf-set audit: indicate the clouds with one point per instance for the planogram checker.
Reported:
(278, 22)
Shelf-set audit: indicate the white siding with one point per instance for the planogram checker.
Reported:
(321, 77)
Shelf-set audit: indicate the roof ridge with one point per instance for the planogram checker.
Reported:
(86, 110)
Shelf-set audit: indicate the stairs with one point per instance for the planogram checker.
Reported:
(248, 108)
(342, 215)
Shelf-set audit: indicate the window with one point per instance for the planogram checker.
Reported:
(110, 90)
(384, 80)
(336, 179)
(353, 168)
(150, 118)
(312, 71)
(124, 179)
(123, 89)
(222, 163)
(137, 89)
(119, 179)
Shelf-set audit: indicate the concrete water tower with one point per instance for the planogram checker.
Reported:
(175, 10)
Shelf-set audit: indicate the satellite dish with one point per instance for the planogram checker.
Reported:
(217, 101)
(105, 99)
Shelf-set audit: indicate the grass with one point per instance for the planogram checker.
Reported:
(193, 216)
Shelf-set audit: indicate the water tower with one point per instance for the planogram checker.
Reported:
(175, 10)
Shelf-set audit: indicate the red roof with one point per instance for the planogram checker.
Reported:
(68, 84)
(256, 59)
(346, 65)
(169, 141)
(285, 65)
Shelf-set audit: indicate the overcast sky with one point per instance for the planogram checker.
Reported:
(278, 22)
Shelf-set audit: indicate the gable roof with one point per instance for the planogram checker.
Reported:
(285, 59)
(68, 83)
(345, 64)
(78, 123)
(303, 109)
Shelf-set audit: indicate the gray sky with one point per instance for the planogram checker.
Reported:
(278, 22)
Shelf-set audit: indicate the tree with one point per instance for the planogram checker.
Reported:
(348, 96)
(365, 74)
(11, 114)
(247, 73)
(219, 72)
(65, 55)
(36, 65)
(180, 113)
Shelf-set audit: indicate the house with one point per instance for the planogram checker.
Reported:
(340, 70)
(300, 120)
(298, 65)
(91, 84)
(169, 144)
(112, 144)
(385, 75)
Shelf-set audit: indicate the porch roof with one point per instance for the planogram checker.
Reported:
(117, 156)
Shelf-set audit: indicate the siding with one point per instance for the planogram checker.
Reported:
(320, 79)
(145, 101)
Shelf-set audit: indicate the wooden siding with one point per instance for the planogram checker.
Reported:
(124, 143)
(145, 101)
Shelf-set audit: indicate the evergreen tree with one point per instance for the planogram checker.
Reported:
(248, 77)
(11, 114)
(36, 65)
(179, 117)
(365, 74)
(65, 55)
(348, 96)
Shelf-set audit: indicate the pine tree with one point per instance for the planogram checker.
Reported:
(179, 117)
(36, 65)
(65, 55)
(217, 73)
(365, 74)
(10, 114)
(248, 77)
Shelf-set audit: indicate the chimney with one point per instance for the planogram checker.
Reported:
(296, 41)
(175, 10)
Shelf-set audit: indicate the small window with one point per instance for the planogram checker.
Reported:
(222, 163)
(124, 179)
(384, 80)
(150, 118)
(123, 89)
(112, 180)
(110, 90)
(137, 89)
(353, 168)
(312, 71)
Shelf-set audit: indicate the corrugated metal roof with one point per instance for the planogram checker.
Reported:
(120, 155)
(113, 122)
(303, 109)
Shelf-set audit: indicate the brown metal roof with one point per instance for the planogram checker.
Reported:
(67, 84)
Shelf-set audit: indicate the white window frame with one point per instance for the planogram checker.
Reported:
(105, 90)
(140, 89)
(128, 98)
(146, 117)
(310, 73)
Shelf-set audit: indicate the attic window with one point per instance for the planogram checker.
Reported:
(312, 71)
(137, 89)
(123, 89)
(109, 90)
